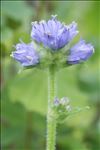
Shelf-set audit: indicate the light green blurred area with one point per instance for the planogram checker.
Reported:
(25, 94)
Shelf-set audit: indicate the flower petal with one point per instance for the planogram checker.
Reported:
(80, 52)
(53, 33)
(25, 54)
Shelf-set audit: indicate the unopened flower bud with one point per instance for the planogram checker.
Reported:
(56, 101)
(68, 108)
(64, 101)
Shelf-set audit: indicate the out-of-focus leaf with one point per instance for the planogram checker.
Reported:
(11, 135)
(6, 41)
(12, 23)
(17, 123)
(67, 86)
(31, 90)
(89, 79)
(16, 9)
(70, 134)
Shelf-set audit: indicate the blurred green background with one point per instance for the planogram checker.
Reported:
(24, 95)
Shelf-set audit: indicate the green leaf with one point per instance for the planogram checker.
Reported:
(30, 88)
(10, 135)
(17, 123)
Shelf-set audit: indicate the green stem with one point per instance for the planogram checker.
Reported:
(51, 123)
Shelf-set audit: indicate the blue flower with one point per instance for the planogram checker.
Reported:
(25, 54)
(80, 52)
(53, 33)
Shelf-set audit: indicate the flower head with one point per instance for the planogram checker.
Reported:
(61, 104)
(25, 54)
(53, 33)
(61, 109)
(80, 52)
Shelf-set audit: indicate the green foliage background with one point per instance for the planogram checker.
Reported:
(24, 95)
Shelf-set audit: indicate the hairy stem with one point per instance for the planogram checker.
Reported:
(51, 123)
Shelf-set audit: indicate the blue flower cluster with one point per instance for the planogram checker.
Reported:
(26, 54)
(61, 109)
(53, 35)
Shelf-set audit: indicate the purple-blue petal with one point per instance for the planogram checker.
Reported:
(80, 52)
(25, 54)
(53, 33)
